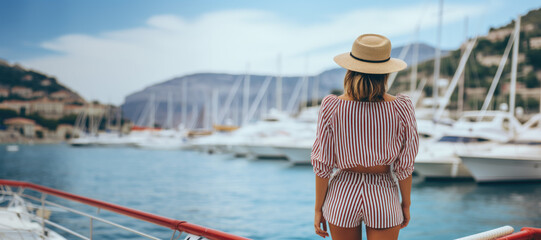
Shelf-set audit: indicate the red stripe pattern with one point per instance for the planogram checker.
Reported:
(353, 133)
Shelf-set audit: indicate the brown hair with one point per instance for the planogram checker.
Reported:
(365, 87)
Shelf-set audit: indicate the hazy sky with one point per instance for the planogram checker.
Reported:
(107, 49)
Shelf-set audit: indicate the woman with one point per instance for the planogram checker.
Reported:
(369, 136)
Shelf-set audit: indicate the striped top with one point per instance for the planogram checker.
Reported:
(353, 133)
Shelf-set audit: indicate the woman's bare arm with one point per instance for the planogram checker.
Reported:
(321, 191)
(405, 192)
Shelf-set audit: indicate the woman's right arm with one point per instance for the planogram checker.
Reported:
(321, 191)
(405, 192)
(403, 166)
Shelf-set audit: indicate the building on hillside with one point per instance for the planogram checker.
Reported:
(65, 96)
(27, 77)
(500, 34)
(4, 92)
(47, 108)
(22, 91)
(64, 131)
(45, 82)
(535, 43)
(506, 87)
(26, 127)
(21, 107)
(96, 109)
(38, 94)
(494, 60)
(73, 109)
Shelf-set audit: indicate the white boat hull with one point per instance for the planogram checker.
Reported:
(296, 155)
(238, 150)
(499, 169)
(442, 170)
(264, 151)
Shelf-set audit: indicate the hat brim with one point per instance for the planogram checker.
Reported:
(346, 61)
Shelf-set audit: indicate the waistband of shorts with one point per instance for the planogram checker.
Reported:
(385, 179)
(341, 171)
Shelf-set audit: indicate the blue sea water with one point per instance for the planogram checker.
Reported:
(264, 199)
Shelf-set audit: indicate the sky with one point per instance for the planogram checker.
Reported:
(107, 49)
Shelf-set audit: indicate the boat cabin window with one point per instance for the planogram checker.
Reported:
(506, 124)
(458, 139)
(474, 119)
(425, 135)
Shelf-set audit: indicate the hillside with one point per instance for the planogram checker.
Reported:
(483, 63)
(18, 83)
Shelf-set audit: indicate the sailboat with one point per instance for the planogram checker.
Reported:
(164, 139)
(520, 158)
(475, 130)
(517, 160)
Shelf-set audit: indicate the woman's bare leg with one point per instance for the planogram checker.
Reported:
(383, 234)
(340, 233)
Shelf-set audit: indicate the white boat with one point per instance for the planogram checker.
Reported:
(168, 139)
(439, 159)
(518, 160)
(12, 148)
(504, 162)
(18, 222)
(297, 153)
(25, 216)
(83, 141)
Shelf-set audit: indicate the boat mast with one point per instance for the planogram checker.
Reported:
(498, 74)
(152, 115)
(184, 106)
(438, 59)
(294, 95)
(402, 55)
(119, 119)
(461, 65)
(413, 80)
(230, 97)
(246, 96)
(315, 90)
(512, 90)
(279, 84)
(215, 95)
(207, 112)
(460, 103)
(305, 85)
(257, 100)
(169, 118)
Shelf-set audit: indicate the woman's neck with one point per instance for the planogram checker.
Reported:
(386, 97)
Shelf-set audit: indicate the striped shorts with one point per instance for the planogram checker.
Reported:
(356, 197)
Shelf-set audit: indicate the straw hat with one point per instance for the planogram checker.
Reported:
(371, 53)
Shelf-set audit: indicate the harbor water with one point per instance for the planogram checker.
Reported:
(263, 199)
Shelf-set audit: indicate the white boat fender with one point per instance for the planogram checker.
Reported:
(491, 234)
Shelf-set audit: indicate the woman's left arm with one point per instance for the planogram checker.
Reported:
(321, 191)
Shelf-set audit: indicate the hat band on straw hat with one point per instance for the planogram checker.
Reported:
(370, 61)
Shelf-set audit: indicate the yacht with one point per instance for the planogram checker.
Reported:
(517, 160)
(475, 129)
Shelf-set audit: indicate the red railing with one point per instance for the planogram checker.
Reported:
(173, 224)
(526, 233)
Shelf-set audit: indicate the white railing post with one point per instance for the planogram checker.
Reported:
(43, 196)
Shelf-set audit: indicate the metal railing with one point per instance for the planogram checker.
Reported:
(173, 224)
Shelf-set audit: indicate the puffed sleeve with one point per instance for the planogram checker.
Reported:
(323, 157)
(403, 165)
